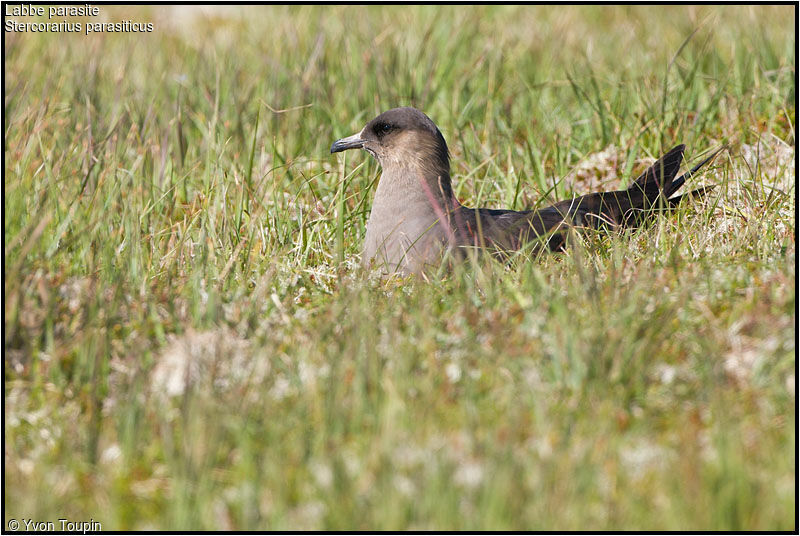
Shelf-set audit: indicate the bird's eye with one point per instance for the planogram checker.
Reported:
(384, 128)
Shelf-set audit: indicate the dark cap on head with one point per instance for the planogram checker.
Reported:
(405, 118)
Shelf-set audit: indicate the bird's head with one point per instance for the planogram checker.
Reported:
(402, 137)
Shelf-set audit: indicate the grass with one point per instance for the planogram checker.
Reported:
(189, 343)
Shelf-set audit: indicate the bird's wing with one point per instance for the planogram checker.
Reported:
(647, 195)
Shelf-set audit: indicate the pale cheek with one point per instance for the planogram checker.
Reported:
(394, 157)
(406, 150)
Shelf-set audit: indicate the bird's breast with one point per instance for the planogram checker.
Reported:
(403, 236)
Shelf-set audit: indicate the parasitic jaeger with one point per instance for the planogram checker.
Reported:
(416, 219)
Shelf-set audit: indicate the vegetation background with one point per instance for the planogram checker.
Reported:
(189, 344)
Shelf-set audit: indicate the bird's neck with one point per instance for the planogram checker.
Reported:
(408, 203)
(408, 186)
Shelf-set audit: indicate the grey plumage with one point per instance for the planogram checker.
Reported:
(416, 218)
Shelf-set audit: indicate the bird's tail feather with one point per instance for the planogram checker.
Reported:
(651, 191)
(659, 177)
(677, 183)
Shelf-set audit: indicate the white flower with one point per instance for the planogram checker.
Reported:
(404, 485)
(453, 372)
(111, 454)
(469, 474)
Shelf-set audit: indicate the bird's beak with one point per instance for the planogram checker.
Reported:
(350, 142)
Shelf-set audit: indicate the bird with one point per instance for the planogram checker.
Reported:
(416, 221)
